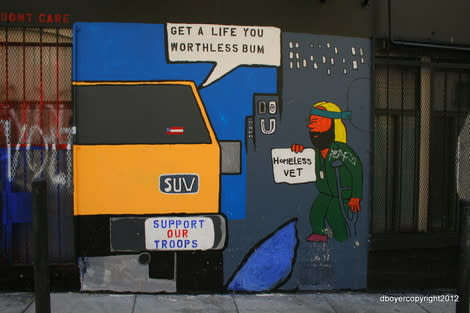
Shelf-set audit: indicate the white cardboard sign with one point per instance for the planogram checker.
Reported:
(179, 233)
(293, 168)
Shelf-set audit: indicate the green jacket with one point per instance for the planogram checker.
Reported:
(350, 172)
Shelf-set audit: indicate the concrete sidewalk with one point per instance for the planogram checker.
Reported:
(343, 302)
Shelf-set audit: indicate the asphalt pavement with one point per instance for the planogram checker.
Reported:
(314, 302)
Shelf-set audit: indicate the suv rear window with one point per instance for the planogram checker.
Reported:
(138, 114)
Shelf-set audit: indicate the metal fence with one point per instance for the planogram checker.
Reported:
(420, 109)
(35, 138)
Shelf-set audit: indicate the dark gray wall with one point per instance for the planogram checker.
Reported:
(442, 22)
(437, 22)
(332, 265)
(342, 17)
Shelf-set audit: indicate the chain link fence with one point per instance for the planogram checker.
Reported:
(36, 137)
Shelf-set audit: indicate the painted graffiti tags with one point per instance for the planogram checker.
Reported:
(227, 46)
(28, 17)
(339, 154)
(40, 160)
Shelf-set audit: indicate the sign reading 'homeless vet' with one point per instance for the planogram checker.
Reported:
(293, 168)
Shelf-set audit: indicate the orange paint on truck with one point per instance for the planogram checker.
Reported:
(124, 179)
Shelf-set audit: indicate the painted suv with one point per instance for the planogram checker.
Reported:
(147, 161)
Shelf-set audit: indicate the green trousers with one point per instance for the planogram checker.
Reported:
(326, 208)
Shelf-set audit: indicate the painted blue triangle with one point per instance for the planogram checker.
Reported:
(269, 263)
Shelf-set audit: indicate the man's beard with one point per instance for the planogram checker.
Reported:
(324, 139)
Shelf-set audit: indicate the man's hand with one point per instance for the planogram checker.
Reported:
(354, 204)
(297, 148)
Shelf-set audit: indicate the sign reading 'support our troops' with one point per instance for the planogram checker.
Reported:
(228, 46)
(179, 233)
(293, 168)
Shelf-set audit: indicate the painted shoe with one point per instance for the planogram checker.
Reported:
(317, 237)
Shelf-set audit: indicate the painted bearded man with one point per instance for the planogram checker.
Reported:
(338, 171)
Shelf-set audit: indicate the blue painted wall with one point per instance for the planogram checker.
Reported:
(137, 52)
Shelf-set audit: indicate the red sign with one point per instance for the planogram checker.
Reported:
(41, 18)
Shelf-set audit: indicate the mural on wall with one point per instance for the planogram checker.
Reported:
(339, 175)
(269, 263)
(196, 143)
(315, 68)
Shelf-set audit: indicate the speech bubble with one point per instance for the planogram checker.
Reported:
(293, 168)
(228, 46)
